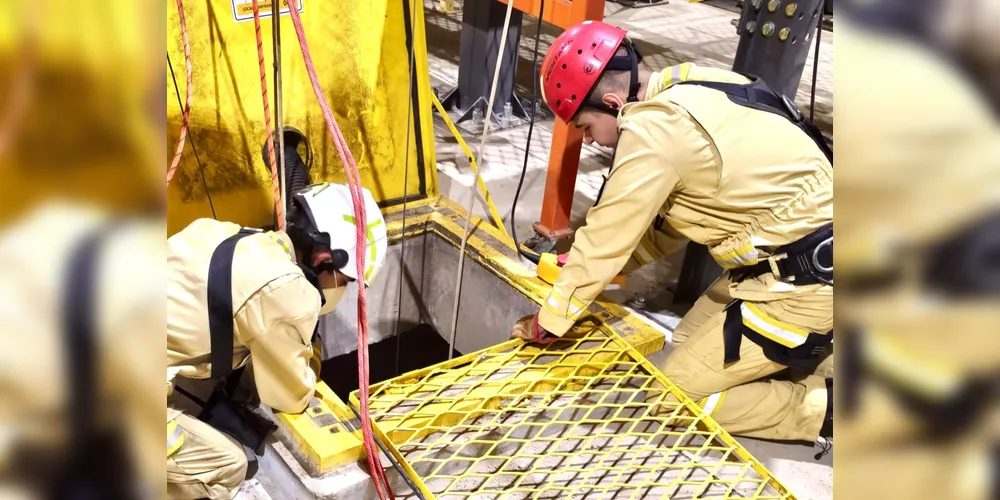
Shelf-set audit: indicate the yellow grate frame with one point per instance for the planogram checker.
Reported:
(570, 420)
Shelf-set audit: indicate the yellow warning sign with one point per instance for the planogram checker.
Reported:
(243, 9)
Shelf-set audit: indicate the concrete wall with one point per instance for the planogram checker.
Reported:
(488, 307)
(340, 328)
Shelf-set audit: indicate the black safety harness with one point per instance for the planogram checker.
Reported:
(807, 355)
(760, 96)
(797, 268)
(83, 477)
(220, 411)
(806, 261)
(810, 259)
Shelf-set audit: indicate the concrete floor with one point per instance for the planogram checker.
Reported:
(668, 34)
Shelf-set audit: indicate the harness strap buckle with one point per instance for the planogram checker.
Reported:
(815, 256)
(792, 109)
(775, 267)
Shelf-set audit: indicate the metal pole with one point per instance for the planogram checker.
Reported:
(279, 123)
(474, 187)
(406, 177)
(819, 38)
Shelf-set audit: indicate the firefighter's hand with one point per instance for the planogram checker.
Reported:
(527, 329)
(316, 360)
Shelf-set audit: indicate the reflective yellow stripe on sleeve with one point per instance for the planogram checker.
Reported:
(746, 255)
(678, 73)
(783, 333)
(283, 244)
(570, 309)
(175, 437)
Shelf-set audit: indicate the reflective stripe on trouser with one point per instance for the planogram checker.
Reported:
(712, 402)
(783, 333)
(209, 465)
(782, 342)
(175, 437)
(775, 409)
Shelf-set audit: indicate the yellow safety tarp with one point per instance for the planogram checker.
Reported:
(360, 54)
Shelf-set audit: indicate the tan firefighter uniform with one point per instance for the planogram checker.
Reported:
(742, 182)
(921, 114)
(128, 309)
(275, 312)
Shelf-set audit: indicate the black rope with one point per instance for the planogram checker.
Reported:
(825, 447)
(527, 146)
(406, 182)
(201, 167)
(819, 38)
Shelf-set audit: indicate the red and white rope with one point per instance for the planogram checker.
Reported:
(279, 208)
(187, 101)
(354, 182)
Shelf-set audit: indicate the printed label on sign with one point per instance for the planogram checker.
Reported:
(243, 9)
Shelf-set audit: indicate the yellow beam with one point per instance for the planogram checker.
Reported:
(321, 433)
(472, 162)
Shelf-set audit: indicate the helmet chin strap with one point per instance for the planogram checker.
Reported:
(628, 62)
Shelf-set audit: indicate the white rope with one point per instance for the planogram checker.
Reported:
(475, 180)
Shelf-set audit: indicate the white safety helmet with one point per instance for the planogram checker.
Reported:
(322, 215)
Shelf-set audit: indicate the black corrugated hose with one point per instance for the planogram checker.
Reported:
(296, 168)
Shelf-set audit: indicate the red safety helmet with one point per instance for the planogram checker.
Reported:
(575, 62)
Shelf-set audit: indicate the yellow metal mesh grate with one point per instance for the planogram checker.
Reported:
(570, 420)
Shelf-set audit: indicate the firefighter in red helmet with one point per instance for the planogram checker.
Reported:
(720, 159)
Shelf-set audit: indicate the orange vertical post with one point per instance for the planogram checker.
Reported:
(564, 158)
(562, 13)
(560, 181)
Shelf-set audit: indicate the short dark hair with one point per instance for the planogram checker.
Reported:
(615, 81)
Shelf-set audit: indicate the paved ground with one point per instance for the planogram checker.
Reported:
(668, 34)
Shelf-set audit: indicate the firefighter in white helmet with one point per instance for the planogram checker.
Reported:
(251, 297)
